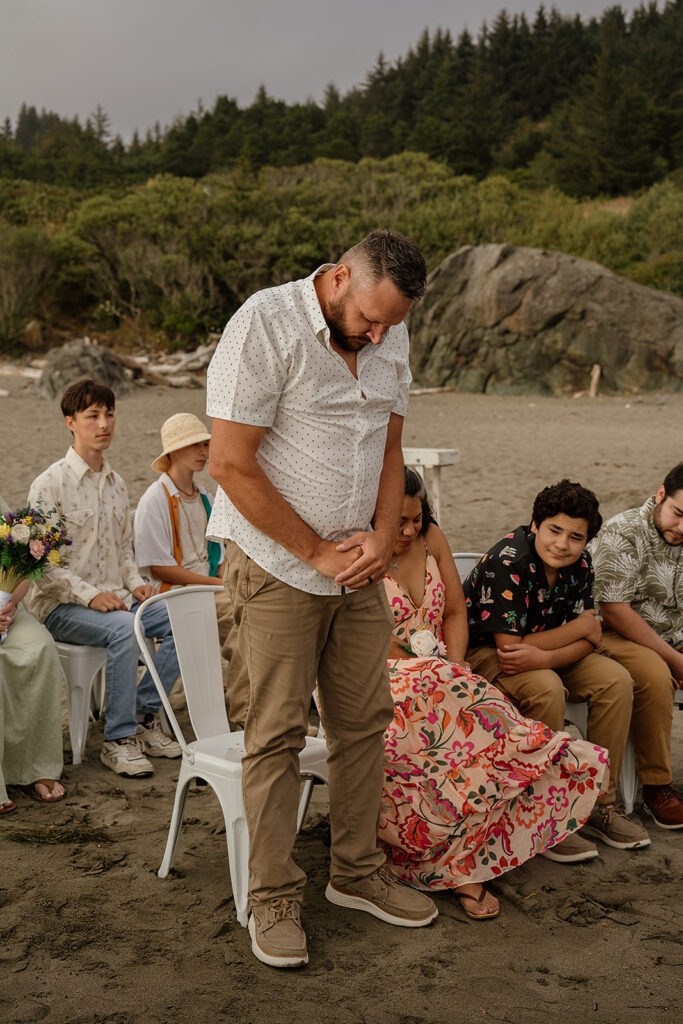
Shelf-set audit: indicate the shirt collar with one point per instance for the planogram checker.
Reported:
(79, 467)
(311, 304)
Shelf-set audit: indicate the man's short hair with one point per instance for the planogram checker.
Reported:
(673, 481)
(568, 498)
(84, 393)
(389, 254)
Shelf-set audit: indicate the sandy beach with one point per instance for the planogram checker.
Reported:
(90, 934)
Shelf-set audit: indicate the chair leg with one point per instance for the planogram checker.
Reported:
(97, 694)
(237, 838)
(78, 702)
(628, 780)
(184, 780)
(304, 801)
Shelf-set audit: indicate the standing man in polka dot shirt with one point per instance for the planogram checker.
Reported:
(308, 389)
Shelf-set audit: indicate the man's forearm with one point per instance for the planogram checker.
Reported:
(390, 492)
(563, 656)
(554, 639)
(625, 620)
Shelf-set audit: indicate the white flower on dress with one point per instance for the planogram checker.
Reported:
(423, 643)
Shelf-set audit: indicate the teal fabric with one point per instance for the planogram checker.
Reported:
(213, 549)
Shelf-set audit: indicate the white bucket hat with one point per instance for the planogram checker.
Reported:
(177, 432)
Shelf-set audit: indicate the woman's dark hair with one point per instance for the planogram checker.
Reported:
(569, 498)
(415, 488)
(84, 393)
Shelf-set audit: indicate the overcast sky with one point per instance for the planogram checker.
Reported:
(149, 60)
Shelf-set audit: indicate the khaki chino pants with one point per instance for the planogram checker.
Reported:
(288, 639)
(625, 685)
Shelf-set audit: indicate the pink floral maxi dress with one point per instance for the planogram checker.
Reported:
(471, 787)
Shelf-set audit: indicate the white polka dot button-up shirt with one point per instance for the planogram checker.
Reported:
(323, 448)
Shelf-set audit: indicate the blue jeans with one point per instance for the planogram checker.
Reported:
(74, 624)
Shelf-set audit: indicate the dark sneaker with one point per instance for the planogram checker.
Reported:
(384, 896)
(277, 938)
(664, 805)
(572, 850)
(609, 824)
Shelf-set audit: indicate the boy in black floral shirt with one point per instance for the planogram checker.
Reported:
(535, 634)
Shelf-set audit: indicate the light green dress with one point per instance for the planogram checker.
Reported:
(30, 703)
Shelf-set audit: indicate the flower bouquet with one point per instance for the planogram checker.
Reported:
(29, 546)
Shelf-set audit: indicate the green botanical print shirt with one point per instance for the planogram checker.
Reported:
(634, 565)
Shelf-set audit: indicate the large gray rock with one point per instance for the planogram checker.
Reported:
(81, 359)
(508, 320)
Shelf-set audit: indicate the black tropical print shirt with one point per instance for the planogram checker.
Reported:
(508, 592)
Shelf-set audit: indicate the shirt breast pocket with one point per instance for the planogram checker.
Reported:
(80, 516)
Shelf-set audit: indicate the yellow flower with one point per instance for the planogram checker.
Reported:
(4, 530)
(53, 557)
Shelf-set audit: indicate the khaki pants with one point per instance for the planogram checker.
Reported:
(287, 639)
(624, 684)
(237, 687)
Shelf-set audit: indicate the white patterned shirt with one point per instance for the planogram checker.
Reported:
(97, 519)
(323, 448)
(634, 565)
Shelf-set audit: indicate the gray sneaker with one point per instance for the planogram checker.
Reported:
(572, 850)
(153, 741)
(125, 757)
(277, 938)
(609, 824)
(384, 896)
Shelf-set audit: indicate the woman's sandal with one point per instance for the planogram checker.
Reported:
(8, 807)
(486, 900)
(49, 784)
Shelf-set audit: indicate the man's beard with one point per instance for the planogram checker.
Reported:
(656, 518)
(336, 322)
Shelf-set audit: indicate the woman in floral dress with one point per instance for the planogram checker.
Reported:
(472, 789)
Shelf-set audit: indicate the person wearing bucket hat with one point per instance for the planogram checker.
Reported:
(171, 546)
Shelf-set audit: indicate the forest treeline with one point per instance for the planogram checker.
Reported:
(589, 107)
(169, 260)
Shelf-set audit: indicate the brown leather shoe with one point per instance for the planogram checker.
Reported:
(664, 805)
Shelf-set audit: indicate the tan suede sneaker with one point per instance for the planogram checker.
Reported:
(609, 824)
(277, 938)
(572, 850)
(384, 896)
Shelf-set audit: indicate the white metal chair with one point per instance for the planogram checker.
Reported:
(465, 561)
(577, 714)
(216, 753)
(83, 669)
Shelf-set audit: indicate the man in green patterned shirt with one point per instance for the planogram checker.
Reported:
(639, 585)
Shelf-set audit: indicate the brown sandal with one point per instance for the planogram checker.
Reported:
(8, 807)
(479, 901)
(50, 785)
